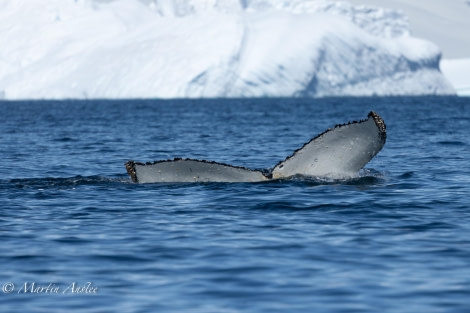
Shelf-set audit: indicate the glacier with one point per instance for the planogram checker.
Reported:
(63, 49)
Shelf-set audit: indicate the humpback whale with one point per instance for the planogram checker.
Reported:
(338, 152)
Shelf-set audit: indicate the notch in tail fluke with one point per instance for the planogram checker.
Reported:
(338, 152)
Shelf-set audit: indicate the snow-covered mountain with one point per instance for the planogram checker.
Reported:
(210, 48)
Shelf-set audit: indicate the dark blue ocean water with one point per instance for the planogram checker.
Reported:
(395, 239)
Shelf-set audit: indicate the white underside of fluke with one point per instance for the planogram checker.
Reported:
(188, 170)
(338, 152)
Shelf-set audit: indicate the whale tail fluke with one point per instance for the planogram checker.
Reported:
(340, 151)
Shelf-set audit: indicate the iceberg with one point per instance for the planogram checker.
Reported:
(58, 49)
(444, 23)
(456, 70)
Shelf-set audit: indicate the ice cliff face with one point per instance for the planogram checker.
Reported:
(210, 48)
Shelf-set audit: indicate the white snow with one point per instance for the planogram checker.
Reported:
(458, 72)
(444, 22)
(210, 48)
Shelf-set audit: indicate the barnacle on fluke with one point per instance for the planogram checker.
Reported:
(130, 167)
(338, 152)
(380, 124)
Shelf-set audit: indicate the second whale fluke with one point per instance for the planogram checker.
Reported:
(338, 152)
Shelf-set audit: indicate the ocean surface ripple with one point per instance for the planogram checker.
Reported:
(77, 234)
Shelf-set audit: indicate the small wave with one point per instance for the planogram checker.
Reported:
(451, 143)
(406, 175)
(365, 177)
(53, 182)
(65, 139)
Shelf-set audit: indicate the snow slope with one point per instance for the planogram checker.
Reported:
(444, 22)
(210, 48)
